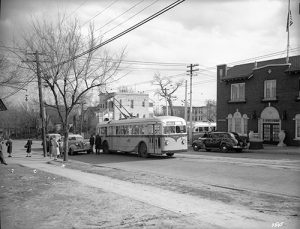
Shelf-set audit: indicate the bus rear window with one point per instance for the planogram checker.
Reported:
(174, 129)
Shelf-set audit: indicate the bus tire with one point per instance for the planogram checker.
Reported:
(143, 150)
(170, 154)
(105, 147)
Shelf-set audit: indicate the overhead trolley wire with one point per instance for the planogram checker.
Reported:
(124, 32)
(130, 17)
(110, 21)
(100, 12)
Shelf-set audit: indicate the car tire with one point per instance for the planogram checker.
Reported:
(224, 148)
(170, 154)
(71, 152)
(195, 147)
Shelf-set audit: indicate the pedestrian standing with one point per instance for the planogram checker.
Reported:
(98, 144)
(53, 148)
(92, 142)
(1, 152)
(28, 147)
(9, 146)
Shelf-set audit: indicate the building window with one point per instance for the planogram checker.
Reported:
(297, 126)
(143, 104)
(270, 89)
(238, 123)
(238, 92)
(120, 103)
(132, 103)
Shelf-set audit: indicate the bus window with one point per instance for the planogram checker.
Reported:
(157, 129)
(206, 128)
(135, 130)
(169, 130)
(142, 129)
(180, 129)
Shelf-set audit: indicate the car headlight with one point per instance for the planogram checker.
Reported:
(166, 142)
(183, 142)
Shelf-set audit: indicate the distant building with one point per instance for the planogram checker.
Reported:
(117, 105)
(263, 97)
(203, 113)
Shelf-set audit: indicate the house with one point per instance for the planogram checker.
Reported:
(263, 97)
(118, 105)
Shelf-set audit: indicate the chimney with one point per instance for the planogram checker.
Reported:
(221, 71)
(255, 65)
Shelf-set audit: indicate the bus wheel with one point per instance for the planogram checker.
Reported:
(143, 150)
(170, 154)
(105, 147)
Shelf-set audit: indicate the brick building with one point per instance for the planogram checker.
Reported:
(263, 97)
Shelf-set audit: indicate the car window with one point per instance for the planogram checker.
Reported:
(72, 138)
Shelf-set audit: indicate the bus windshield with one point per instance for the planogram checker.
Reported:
(174, 129)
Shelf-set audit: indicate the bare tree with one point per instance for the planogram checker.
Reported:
(167, 89)
(69, 81)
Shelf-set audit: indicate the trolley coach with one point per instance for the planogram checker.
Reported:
(145, 136)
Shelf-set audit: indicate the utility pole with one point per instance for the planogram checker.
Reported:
(190, 71)
(185, 103)
(42, 114)
(167, 110)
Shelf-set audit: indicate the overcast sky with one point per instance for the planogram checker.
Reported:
(204, 32)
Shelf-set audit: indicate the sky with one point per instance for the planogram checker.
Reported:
(204, 32)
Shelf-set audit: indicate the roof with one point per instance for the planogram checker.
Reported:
(2, 106)
(163, 119)
(244, 71)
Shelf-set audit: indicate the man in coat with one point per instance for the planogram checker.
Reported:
(92, 142)
(98, 144)
(9, 146)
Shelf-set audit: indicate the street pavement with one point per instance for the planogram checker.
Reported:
(267, 173)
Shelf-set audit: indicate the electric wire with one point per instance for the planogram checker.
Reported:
(106, 8)
(110, 21)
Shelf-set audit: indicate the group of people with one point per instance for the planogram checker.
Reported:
(97, 142)
(9, 144)
(53, 147)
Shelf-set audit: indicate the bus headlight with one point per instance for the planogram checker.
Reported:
(166, 142)
(183, 142)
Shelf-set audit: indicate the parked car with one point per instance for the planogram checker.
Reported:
(224, 141)
(78, 144)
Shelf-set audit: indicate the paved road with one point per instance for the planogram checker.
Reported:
(269, 175)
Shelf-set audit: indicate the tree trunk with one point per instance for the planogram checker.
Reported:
(66, 137)
(171, 106)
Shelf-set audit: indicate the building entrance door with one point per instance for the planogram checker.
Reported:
(270, 132)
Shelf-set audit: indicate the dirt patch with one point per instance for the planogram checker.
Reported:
(35, 199)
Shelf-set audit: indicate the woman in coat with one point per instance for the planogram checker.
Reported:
(28, 146)
(53, 148)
